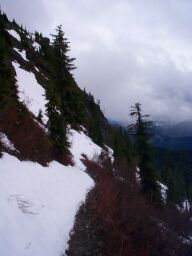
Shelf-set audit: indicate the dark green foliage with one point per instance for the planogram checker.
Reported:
(176, 173)
(56, 124)
(145, 158)
(61, 48)
(121, 144)
(45, 50)
(40, 116)
(8, 89)
(59, 93)
(74, 107)
(71, 100)
(95, 120)
(95, 131)
(124, 162)
(175, 183)
(26, 38)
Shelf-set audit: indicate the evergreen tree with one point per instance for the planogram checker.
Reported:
(148, 174)
(57, 96)
(94, 124)
(56, 129)
(121, 144)
(40, 116)
(62, 66)
(61, 48)
(8, 89)
(45, 49)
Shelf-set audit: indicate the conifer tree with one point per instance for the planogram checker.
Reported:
(94, 121)
(57, 101)
(61, 48)
(55, 127)
(121, 143)
(40, 116)
(8, 89)
(148, 175)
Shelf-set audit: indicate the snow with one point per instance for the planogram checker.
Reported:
(163, 189)
(185, 206)
(14, 34)
(110, 153)
(30, 92)
(22, 53)
(137, 174)
(45, 77)
(37, 46)
(41, 73)
(6, 142)
(38, 205)
(82, 144)
(36, 69)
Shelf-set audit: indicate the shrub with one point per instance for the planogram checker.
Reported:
(132, 225)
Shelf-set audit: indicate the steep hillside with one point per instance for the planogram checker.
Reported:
(70, 183)
(37, 191)
(31, 78)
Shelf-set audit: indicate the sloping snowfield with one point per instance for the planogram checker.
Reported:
(38, 204)
(14, 34)
(21, 53)
(81, 143)
(30, 92)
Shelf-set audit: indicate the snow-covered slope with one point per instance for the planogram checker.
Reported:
(37, 46)
(38, 204)
(21, 53)
(14, 34)
(82, 144)
(6, 142)
(30, 92)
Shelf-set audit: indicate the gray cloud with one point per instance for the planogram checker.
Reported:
(31, 14)
(127, 51)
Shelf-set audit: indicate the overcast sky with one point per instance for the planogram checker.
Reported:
(127, 50)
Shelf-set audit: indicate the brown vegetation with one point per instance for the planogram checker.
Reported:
(26, 135)
(131, 224)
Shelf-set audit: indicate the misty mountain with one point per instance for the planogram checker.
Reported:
(181, 129)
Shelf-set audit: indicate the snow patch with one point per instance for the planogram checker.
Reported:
(110, 153)
(14, 34)
(38, 205)
(82, 144)
(185, 206)
(30, 92)
(22, 53)
(36, 69)
(37, 46)
(6, 142)
(137, 174)
(163, 189)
